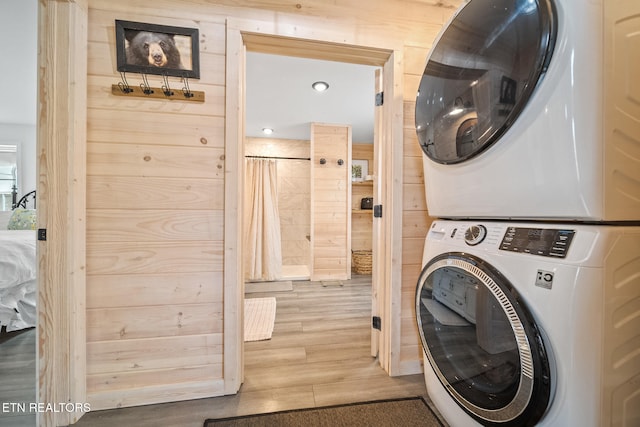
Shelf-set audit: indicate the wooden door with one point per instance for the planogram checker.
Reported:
(377, 240)
(330, 202)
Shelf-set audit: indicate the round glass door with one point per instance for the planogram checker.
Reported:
(480, 75)
(482, 342)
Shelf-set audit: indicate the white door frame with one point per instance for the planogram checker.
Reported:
(243, 35)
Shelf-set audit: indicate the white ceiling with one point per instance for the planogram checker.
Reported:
(279, 96)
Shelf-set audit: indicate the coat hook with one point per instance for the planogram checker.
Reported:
(340, 162)
(146, 89)
(323, 161)
(124, 85)
(185, 89)
(165, 87)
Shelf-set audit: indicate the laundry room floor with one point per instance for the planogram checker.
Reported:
(319, 355)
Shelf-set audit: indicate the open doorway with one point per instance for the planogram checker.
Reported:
(321, 344)
(388, 160)
(281, 100)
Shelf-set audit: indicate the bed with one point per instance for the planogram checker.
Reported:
(18, 284)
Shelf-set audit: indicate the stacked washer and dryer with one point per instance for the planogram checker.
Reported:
(528, 304)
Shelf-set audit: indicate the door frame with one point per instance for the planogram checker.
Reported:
(243, 35)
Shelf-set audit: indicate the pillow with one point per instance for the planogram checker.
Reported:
(22, 219)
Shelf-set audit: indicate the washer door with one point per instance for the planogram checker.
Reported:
(480, 75)
(482, 341)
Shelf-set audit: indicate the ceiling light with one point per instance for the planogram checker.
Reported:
(267, 131)
(320, 86)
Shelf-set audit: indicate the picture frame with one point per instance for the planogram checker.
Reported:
(359, 170)
(157, 49)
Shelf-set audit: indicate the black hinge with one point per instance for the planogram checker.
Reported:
(42, 234)
(379, 99)
(377, 211)
(376, 323)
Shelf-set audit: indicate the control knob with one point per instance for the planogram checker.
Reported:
(475, 234)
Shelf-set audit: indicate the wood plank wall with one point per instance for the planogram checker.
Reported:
(155, 192)
(154, 228)
(330, 202)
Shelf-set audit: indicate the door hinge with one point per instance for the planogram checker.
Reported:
(377, 211)
(376, 323)
(42, 234)
(379, 99)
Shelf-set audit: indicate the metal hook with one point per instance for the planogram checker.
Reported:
(124, 85)
(185, 89)
(146, 89)
(165, 87)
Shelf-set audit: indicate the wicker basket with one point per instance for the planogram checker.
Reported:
(361, 261)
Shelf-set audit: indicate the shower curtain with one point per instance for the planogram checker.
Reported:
(263, 247)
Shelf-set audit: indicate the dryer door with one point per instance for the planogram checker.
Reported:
(482, 341)
(480, 75)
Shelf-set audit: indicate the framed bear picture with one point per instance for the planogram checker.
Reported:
(157, 49)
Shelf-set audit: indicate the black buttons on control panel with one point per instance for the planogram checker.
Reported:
(537, 241)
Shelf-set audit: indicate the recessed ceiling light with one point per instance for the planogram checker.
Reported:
(320, 86)
(267, 131)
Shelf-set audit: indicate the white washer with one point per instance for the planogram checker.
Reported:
(530, 109)
(528, 324)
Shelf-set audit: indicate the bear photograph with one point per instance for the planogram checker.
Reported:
(156, 49)
(152, 49)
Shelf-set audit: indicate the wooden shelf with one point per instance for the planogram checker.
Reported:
(362, 211)
(363, 183)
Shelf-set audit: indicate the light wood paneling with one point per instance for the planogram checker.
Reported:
(160, 353)
(155, 228)
(131, 290)
(144, 192)
(112, 324)
(330, 202)
(108, 159)
(124, 225)
(61, 169)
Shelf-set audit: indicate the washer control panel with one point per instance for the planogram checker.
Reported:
(549, 242)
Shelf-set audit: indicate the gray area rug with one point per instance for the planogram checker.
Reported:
(412, 411)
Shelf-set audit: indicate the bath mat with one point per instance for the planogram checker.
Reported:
(259, 318)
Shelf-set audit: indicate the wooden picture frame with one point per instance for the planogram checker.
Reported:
(157, 49)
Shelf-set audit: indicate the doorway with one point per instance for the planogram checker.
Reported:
(282, 111)
(385, 302)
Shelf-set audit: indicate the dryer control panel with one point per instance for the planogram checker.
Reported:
(549, 242)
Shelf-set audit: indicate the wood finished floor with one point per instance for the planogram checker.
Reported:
(17, 377)
(318, 356)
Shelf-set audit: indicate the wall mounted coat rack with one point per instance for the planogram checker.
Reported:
(165, 92)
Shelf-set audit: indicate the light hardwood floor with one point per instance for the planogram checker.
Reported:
(318, 356)
(17, 378)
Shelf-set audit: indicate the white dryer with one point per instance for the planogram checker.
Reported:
(527, 324)
(530, 109)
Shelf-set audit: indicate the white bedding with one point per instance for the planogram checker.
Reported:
(18, 285)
